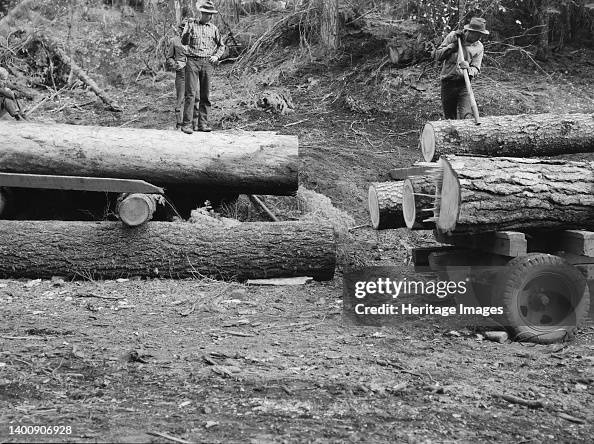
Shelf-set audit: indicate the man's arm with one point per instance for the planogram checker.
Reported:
(5, 92)
(448, 46)
(171, 53)
(220, 45)
(475, 64)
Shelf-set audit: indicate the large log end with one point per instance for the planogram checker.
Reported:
(428, 142)
(373, 206)
(448, 207)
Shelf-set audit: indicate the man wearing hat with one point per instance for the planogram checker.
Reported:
(454, 95)
(204, 48)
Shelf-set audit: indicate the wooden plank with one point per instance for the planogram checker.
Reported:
(577, 242)
(403, 173)
(505, 243)
(79, 183)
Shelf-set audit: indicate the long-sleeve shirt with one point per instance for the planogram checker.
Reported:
(203, 40)
(176, 53)
(473, 54)
(6, 92)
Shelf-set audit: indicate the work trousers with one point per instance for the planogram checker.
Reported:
(9, 105)
(180, 94)
(198, 74)
(455, 100)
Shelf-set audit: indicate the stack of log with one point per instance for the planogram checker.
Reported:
(486, 180)
(236, 162)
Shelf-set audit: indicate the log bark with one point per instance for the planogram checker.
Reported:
(165, 249)
(329, 23)
(385, 205)
(418, 202)
(523, 135)
(489, 194)
(234, 162)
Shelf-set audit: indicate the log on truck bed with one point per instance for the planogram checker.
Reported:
(232, 162)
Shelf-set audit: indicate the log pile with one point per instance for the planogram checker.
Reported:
(492, 184)
(42, 249)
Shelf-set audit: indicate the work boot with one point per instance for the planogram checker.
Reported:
(204, 128)
(187, 129)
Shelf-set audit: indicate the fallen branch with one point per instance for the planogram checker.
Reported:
(93, 295)
(533, 404)
(53, 46)
(258, 203)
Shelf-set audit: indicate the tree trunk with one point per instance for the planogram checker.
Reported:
(488, 194)
(329, 23)
(385, 205)
(165, 249)
(233, 162)
(418, 202)
(175, 8)
(523, 135)
(542, 17)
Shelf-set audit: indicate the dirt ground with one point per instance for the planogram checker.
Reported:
(205, 361)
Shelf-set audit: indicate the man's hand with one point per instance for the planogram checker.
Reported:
(463, 64)
(213, 59)
(178, 65)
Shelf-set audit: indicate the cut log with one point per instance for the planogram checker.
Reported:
(385, 205)
(41, 249)
(233, 162)
(136, 209)
(418, 202)
(499, 194)
(523, 135)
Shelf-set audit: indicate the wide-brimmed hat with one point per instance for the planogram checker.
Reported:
(477, 24)
(208, 7)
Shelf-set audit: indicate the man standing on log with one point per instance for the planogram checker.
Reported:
(455, 98)
(8, 100)
(205, 48)
(176, 59)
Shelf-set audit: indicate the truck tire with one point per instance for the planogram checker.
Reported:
(543, 298)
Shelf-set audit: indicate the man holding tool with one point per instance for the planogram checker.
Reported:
(205, 48)
(459, 67)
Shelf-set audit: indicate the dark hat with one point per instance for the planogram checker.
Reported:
(477, 24)
(208, 7)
